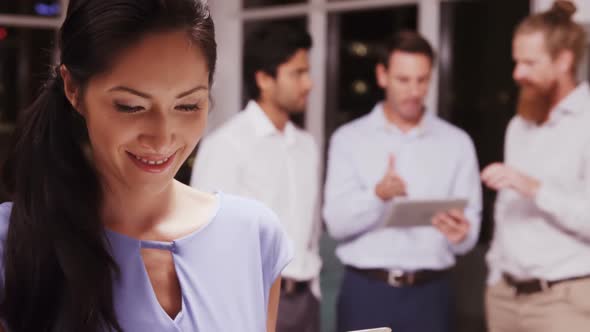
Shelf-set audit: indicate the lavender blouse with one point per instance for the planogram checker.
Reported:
(225, 271)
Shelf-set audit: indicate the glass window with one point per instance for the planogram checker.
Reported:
(25, 55)
(265, 3)
(476, 91)
(47, 8)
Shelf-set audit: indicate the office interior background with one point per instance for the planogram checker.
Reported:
(472, 85)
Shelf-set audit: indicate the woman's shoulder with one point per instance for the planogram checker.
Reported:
(246, 223)
(235, 211)
(246, 209)
(276, 249)
(248, 218)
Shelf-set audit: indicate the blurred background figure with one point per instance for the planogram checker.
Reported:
(399, 277)
(260, 153)
(540, 256)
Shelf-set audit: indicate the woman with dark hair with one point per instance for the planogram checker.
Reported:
(99, 236)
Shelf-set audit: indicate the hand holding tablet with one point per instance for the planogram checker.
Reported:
(446, 215)
(420, 212)
(453, 225)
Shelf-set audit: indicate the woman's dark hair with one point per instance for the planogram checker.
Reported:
(58, 269)
(269, 47)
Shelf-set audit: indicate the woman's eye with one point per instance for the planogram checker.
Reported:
(127, 108)
(188, 107)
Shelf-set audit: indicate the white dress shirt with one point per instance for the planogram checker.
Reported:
(435, 159)
(547, 237)
(248, 156)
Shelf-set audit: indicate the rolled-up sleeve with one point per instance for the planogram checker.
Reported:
(350, 207)
(569, 206)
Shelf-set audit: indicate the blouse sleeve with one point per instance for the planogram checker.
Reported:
(276, 247)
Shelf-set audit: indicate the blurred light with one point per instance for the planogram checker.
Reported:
(43, 9)
(3, 33)
(359, 49)
(360, 87)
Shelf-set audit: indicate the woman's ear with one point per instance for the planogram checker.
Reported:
(71, 89)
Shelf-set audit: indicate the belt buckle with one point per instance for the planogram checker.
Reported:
(393, 278)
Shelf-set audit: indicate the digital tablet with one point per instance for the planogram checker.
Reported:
(419, 212)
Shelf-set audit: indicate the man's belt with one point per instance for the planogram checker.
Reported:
(398, 278)
(531, 286)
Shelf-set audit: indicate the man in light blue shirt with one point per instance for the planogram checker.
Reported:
(398, 277)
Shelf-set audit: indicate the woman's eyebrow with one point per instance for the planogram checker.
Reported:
(148, 96)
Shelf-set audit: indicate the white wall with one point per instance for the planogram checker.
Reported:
(227, 87)
(581, 15)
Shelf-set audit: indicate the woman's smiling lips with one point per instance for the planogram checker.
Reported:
(152, 164)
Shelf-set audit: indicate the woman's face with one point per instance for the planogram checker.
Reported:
(146, 114)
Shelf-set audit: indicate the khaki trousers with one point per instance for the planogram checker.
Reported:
(564, 307)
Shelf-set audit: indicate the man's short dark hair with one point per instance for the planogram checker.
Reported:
(405, 41)
(269, 47)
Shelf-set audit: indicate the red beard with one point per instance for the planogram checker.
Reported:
(534, 104)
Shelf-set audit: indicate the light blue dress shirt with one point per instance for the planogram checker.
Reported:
(435, 159)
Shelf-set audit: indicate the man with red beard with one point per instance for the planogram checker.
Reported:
(399, 276)
(539, 260)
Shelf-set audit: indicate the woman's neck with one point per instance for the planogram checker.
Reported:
(136, 211)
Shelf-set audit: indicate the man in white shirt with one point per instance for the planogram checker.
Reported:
(261, 154)
(539, 260)
(398, 277)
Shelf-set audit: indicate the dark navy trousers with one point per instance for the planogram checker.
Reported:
(365, 303)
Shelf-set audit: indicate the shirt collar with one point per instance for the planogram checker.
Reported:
(380, 121)
(575, 102)
(263, 126)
